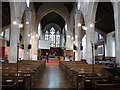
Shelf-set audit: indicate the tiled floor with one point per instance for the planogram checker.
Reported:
(53, 77)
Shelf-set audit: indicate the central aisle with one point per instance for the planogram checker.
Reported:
(53, 77)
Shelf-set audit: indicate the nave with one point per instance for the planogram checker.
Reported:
(60, 44)
(52, 77)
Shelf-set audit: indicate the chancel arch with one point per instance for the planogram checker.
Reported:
(52, 28)
(46, 8)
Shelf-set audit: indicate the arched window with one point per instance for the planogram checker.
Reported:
(53, 36)
(58, 39)
(46, 35)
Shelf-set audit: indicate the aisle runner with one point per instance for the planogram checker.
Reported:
(52, 62)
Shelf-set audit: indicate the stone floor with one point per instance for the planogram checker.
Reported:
(53, 77)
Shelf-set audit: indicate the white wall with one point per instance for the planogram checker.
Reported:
(84, 46)
(110, 45)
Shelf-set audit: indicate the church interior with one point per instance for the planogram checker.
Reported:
(60, 45)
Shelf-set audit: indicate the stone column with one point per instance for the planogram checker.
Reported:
(89, 39)
(77, 36)
(33, 50)
(15, 31)
(27, 30)
(34, 38)
(62, 41)
(117, 31)
(69, 44)
(14, 40)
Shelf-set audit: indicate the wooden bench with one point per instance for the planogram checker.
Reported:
(78, 73)
(28, 71)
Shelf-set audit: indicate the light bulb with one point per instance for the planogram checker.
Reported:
(76, 36)
(72, 38)
(27, 22)
(28, 35)
(21, 26)
(79, 24)
(84, 27)
(91, 25)
(15, 22)
(36, 35)
(68, 36)
(32, 36)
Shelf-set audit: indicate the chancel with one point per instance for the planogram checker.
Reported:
(60, 45)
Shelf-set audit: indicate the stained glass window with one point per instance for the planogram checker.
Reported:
(53, 36)
(46, 35)
(7, 34)
(57, 39)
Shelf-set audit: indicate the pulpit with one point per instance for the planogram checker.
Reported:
(68, 54)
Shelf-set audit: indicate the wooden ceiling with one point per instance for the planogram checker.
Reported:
(104, 16)
(5, 14)
(69, 5)
(52, 18)
(37, 5)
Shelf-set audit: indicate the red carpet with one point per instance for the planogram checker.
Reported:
(52, 62)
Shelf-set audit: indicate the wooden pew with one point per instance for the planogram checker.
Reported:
(101, 85)
(28, 70)
(75, 72)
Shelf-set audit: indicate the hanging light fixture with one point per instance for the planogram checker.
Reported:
(72, 38)
(84, 27)
(79, 25)
(32, 36)
(91, 25)
(21, 26)
(68, 36)
(27, 22)
(76, 36)
(14, 22)
(28, 35)
(36, 35)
